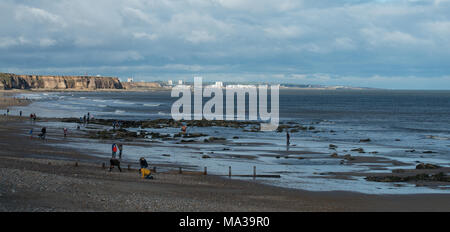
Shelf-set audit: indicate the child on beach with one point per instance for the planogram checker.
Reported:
(146, 173)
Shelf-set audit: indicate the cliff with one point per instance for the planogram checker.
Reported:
(13, 81)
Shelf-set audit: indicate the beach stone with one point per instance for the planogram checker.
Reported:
(332, 146)
(349, 157)
(334, 155)
(365, 140)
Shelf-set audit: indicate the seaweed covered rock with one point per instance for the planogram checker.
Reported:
(440, 177)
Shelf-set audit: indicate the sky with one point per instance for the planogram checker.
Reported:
(394, 44)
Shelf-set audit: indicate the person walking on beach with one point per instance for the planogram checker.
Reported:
(20, 113)
(114, 151)
(65, 132)
(288, 140)
(31, 133)
(43, 133)
(7, 112)
(120, 146)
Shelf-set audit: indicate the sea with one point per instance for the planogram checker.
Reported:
(400, 124)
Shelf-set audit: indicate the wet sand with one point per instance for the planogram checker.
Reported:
(37, 176)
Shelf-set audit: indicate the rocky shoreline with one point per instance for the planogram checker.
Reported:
(38, 176)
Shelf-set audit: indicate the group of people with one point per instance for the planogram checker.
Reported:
(43, 133)
(7, 112)
(85, 119)
(117, 125)
(116, 148)
(33, 117)
(114, 161)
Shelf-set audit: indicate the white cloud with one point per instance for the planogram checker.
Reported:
(143, 35)
(200, 37)
(47, 42)
(281, 31)
(31, 13)
(379, 36)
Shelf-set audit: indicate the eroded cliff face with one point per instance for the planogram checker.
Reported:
(12, 81)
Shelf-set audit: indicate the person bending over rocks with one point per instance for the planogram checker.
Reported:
(114, 162)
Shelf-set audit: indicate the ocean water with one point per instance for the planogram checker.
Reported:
(395, 121)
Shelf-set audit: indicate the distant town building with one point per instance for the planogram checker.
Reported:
(218, 84)
(170, 82)
(129, 80)
(180, 82)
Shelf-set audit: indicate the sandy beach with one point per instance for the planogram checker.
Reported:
(37, 176)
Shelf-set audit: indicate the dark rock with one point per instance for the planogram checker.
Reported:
(427, 166)
(428, 152)
(441, 177)
(360, 150)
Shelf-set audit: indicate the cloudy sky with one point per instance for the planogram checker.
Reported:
(373, 43)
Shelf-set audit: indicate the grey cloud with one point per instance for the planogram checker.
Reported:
(225, 38)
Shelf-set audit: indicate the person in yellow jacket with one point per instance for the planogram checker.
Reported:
(146, 173)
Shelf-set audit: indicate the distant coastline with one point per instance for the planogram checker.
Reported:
(49, 83)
